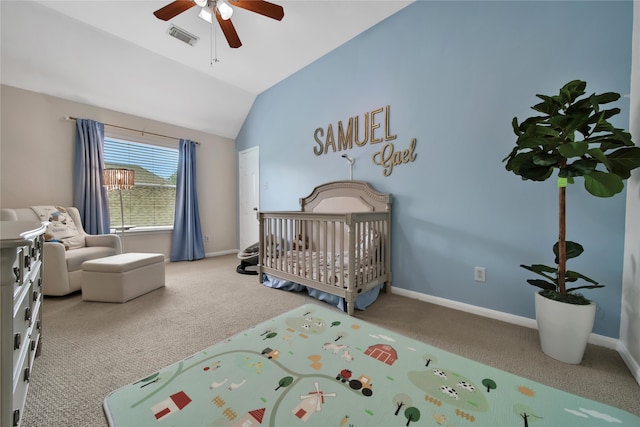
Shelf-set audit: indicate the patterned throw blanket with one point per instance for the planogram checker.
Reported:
(61, 225)
(315, 366)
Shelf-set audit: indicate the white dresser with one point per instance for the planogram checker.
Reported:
(21, 243)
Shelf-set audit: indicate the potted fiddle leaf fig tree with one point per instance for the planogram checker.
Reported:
(570, 135)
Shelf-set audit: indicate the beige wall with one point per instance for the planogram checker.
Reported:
(630, 316)
(37, 155)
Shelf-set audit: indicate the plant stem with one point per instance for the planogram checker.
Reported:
(562, 242)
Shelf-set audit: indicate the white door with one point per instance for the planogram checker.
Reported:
(249, 197)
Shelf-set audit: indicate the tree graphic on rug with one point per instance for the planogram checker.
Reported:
(400, 400)
(284, 382)
(489, 384)
(526, 413)
(412, 414)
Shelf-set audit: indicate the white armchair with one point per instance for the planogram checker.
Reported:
(62, 269)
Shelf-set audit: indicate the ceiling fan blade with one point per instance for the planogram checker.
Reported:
(229, 31)
(262, 7)
(173, 9)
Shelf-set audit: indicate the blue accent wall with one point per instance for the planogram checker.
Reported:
(454, 74)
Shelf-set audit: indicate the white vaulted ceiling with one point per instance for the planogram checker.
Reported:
(117, 55)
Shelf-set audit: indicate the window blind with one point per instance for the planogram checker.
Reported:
(151, 202)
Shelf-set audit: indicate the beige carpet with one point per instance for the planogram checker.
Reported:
(91, 349)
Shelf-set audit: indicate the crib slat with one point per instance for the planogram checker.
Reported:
(341, 277)
(305, 239)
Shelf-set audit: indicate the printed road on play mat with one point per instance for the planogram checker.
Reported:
(314, 366)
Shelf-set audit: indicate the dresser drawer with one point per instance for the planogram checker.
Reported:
(33, 253)
(18, 269)
(36, 322)
(36, 282)
(20, 387)
(22, 320)
(36, 248)
(27, 258)
(35, 342)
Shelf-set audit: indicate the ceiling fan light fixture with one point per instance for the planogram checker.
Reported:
(222, 10)
(206, 13)
(225, 10)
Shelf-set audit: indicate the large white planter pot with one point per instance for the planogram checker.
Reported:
(564, 328)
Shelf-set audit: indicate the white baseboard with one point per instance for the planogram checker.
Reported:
(632, 364)
(596, 339)
(221, 253)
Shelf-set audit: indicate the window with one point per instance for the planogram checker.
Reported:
(151, 202)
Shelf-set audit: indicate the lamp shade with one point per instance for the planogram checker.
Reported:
(118, 178)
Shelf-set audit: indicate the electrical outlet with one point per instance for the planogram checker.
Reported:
(479, 274)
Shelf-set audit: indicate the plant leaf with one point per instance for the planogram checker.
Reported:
(575, 276)
(603, 126)
(574, 250)
(585, 287)
(542, 284)
(550, 105)
(532, 121)
(542, 270)
(604, 115)
(599, 155)
(541, 130)
(509, 157)
(607, 97)
(572, 90)
(522, 164)
(580, 167)
(577, 120)
(559, 121)
(514, 124)
(573, 149)
(624, 160)
(546, 159)
(603, 184)
(527, 141)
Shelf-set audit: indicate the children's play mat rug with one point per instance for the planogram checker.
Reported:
(314, 366)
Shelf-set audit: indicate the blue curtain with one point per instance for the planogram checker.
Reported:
(89, 194)
(186, 244)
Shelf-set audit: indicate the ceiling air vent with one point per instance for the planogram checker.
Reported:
(182, 35)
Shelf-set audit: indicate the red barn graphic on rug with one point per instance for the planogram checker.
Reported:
(175, 402)
(252, 418)
(382, 352)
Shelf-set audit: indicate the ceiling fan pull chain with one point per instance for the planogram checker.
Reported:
(214, 43)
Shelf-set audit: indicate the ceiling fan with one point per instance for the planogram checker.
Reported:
(222, 10)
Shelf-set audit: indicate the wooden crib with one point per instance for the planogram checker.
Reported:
(338, 243)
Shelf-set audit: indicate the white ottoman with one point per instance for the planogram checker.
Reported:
(119, 278)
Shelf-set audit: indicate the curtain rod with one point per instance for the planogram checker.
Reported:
(134, 130)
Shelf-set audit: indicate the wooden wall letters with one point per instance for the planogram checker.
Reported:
(375, 128)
